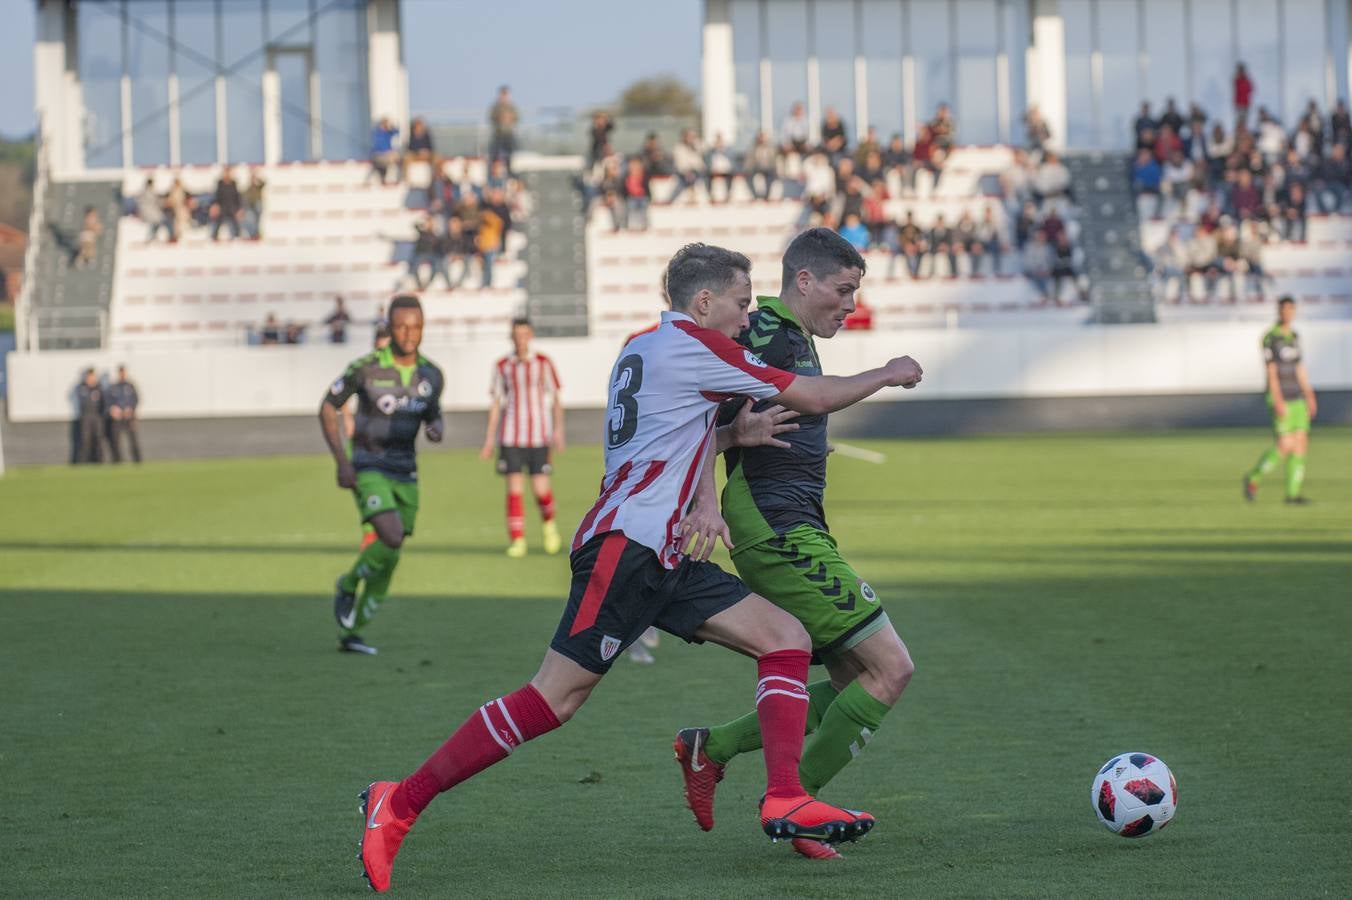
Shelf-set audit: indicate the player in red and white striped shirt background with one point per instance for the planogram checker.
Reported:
(641, 558)
(525, 423)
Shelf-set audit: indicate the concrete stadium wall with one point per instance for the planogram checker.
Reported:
(1192, 358)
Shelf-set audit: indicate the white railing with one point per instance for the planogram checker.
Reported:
(24, 321)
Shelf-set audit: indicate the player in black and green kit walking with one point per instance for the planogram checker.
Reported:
(398, 391)
(783, 550)
(1292, 403)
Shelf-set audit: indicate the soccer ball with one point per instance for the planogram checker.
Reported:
(1134, 795)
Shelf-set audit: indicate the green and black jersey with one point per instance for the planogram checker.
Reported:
(393, 402)
(770, 490)
(1284, 350)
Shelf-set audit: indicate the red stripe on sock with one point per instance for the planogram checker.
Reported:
(781, 707)
(546, 503)
(599, 583)
(518, 717)
(516, 516)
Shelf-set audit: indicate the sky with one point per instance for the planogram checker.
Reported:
(553, 54)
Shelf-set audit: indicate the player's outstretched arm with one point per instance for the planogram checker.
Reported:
(817, 395)
(328, 424)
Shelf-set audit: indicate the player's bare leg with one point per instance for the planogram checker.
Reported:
(781, 647)
(544, 499)
(516, 515)
(1295, 468)
(1279, 453)
(359, 593)
(488, 736)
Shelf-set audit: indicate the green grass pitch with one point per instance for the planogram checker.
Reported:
(175, 721)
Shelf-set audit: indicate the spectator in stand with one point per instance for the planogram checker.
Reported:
(1037, 264)
(1176, 177)
(89, 400)
(1229, 258)
(687, 161)
(495, 201)
(383, 155)
(488, 241)
(1146, 180)
(1271, 139)
(943, 130)
(854, 231)
(610, 190)
(1171, 117)
(965, 239)
(1333, 180)
(503, 116)
(896, 156)
(761, 162)
(990, 241)
(1253, 235)
(227, 207)
(653, 156)
(1293, 213)
(868, 148)
(1245, 199)
(1340, 125)
(419, 147)
(295, 333)
(794, 131)
(1202, 253)
(180, 206)
(911, 244)
(875, 214)
(835, 142)
(458, 246)
(337, 322)
(1065, 269)
(91, 226)
(469, 211)
(1037, 133)
(150, 210)
(721, 170)
(1167, 142)
(601, 127)
(637, 195)
(122, 420)
(871, 167)
(271, 332)
(427, 251)
(1144, 126)
(1171, 265)
(1051, 182)
(1243, 89)
(253, 203)
(941, 240)
(1219, 149)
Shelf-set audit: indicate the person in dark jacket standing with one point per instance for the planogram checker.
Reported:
(228, 207)
(89, 422)
(122, 403)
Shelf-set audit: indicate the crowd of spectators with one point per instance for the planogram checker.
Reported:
(1022, 228)
(227, 208)
(1226, 193)
(274, 332)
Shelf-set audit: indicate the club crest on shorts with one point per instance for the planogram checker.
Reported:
(869, 594)
(373, 501)
(609, 647)
(337, 387)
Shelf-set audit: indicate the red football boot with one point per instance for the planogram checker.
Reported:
(381, 834)
(815, 849)
(701, 774)
(804, 817)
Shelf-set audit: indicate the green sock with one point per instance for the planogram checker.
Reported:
(374, 569)
(1266, 463)
(1295, 474)
(848, 725)
(743, 735)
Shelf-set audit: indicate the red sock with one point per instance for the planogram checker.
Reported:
(488, 736)
(516, 516)
(546, 502)
(781, 706)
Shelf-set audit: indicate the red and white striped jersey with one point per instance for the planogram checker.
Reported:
(525, 390)
(664, 394)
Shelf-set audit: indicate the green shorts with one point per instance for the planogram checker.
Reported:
(1297, 417)
(377, 492)
(802, 573)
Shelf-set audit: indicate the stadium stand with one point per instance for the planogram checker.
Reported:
(327, 229)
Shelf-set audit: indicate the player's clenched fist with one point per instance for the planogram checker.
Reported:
(903, 372)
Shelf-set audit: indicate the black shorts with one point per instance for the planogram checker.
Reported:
(619, 589)
(516, 459)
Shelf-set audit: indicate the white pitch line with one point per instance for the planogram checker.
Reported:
(854, 452)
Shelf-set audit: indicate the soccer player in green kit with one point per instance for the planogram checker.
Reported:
(1293, 406)
(398, 392)
(782, 549)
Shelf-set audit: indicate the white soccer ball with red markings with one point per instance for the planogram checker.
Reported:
(1134, 794)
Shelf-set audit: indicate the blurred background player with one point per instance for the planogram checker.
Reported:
(379, 341)
(1293, 406)
(525, 423)
(782, 549)
(398, 391)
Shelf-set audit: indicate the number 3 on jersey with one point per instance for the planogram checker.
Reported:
(623, 419)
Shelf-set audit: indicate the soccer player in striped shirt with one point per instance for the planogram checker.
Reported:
(629, 568)
(525, 423)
